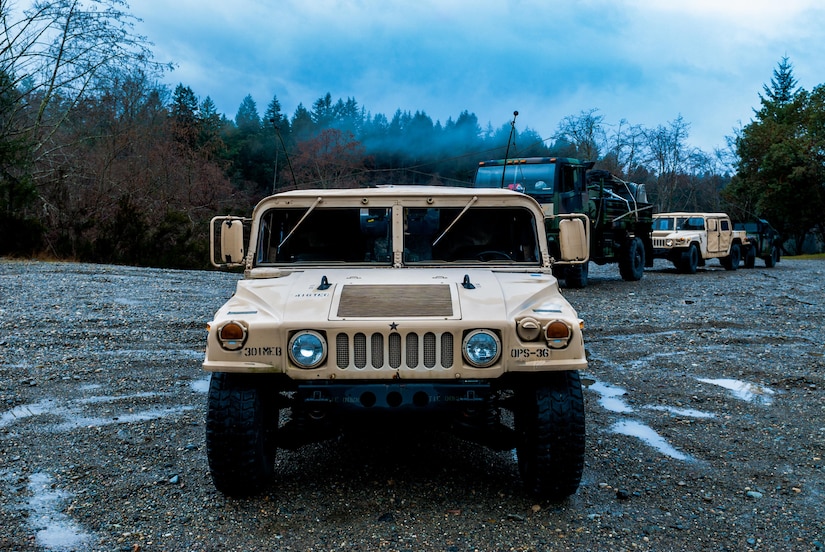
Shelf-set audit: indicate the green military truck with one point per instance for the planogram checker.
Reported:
(618, 214)
(765, 242)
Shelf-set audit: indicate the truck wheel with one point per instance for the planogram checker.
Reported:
(632, 260)
(240, 445)
(731, 262)
(750, 257)
(689, 260)
(575, 276)
(773, 258)
(550, 424)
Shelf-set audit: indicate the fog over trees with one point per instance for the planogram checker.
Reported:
(100, 162)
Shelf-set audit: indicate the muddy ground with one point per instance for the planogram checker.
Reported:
(705, 409)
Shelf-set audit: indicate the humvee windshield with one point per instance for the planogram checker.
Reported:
(364, 235)
(533, 179)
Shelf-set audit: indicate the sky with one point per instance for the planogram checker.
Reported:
(645, 62)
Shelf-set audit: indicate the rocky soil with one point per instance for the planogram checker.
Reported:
(706, 427)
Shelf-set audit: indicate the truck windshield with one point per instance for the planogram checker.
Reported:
(481, 234)
(532, 179)
(325, 235)
(663, 223)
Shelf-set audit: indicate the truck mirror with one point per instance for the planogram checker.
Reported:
(573, 240)
(227, 237)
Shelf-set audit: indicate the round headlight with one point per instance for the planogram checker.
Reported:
(307, 349)
(481, 348)
(232, 335)
(669, 242)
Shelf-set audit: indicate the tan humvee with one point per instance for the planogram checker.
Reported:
(688, 240)
(361, 307)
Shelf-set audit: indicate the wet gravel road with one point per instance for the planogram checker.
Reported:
(706, 427)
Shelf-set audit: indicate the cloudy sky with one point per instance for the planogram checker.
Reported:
(644, 61)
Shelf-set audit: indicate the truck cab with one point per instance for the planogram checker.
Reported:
(617, 213)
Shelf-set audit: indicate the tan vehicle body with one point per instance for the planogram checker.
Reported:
(396, 300)
(689, 239)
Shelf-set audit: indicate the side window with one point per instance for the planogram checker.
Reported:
(725, 225)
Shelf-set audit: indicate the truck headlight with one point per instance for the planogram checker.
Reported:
(307, 349)
(232, 335)
(481, 348)
(669, 242)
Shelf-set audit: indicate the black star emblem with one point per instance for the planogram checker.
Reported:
(393, 326)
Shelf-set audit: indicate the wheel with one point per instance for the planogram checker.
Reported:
(689, 260)
(750, 257)
(551, 428)
(240, 427)
(493, 255)
(576, 275)
(771, 260)
(731, 262)
(632, 260)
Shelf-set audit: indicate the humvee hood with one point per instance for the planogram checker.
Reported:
(454, 293)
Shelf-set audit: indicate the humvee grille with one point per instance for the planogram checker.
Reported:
(659, 242)
(393, 301)
(413, 351)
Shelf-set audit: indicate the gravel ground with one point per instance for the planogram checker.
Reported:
(706, 427)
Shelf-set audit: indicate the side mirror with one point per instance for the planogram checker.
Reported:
(573, 240)
(226, 238)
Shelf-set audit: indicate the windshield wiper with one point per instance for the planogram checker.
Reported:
(303, 218)
(461, 214)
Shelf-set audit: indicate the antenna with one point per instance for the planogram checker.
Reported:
(286, 154)
(510, 138)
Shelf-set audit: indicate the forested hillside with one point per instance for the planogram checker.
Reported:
(100, 162)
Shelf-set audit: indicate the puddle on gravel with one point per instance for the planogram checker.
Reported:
(70, 415)
(686, 412)
(53, 529)
(609, 397)
(743, 390)
(641, 431)
(200, 385)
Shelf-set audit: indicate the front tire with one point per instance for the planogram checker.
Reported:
(773, 258)
(240, 429)
(689, 260)
(750, 257)
(632, 260)
(551, 428)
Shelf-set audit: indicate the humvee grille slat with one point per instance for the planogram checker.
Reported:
(393, 301)
(411, 352)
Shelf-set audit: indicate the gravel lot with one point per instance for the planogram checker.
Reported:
(706, 427)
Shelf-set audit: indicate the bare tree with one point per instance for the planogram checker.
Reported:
(585, 131)
(668, 155)
(58, 52)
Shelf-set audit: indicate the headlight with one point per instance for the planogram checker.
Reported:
(481, 348)
(669, 242)
(558, 334)
(232, 335)
(307, 349)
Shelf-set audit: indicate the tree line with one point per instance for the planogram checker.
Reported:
(100, 162)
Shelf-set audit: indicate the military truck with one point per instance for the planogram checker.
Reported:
(372, 310)
(688, 240)
(765, 242)
(616, 212)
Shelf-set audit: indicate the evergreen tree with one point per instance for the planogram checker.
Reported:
(779, 172)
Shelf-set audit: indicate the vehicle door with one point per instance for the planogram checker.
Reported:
(713, 235)
(725, 234)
